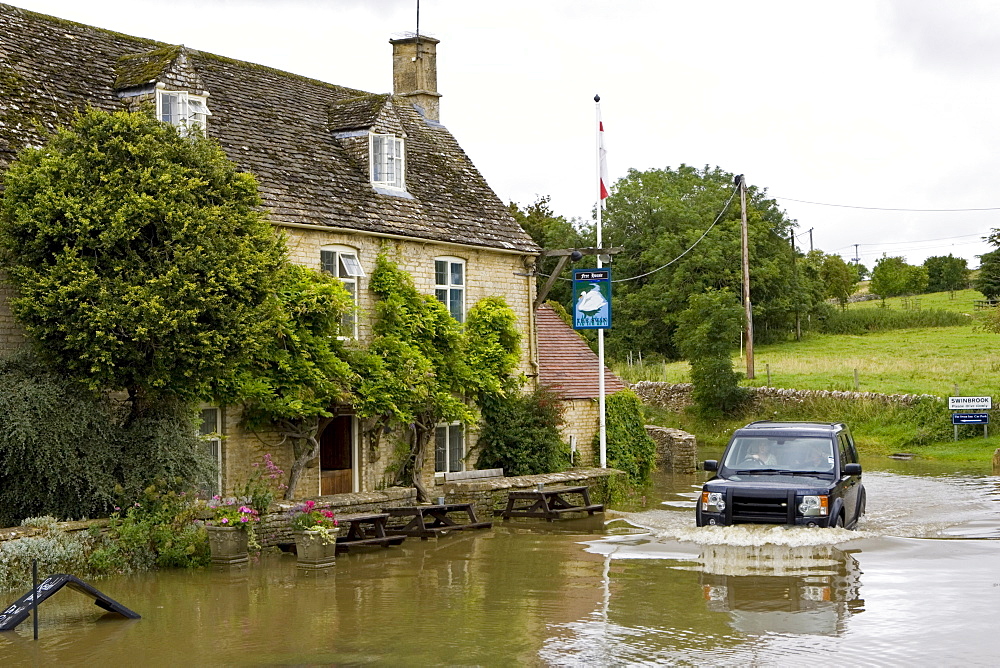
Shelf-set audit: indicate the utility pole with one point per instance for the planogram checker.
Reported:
(811, 239)
(746, 276)
(795, 285)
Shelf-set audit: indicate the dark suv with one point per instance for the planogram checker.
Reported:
(796, 473)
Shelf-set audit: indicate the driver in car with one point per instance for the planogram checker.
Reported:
(761, 455)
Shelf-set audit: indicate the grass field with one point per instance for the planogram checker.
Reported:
(932, 360)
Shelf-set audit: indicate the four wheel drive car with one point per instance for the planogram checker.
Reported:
(794, 473)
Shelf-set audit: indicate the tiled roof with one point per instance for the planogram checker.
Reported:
(566, 364)
(287, 129)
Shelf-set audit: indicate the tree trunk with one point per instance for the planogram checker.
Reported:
(305, 446)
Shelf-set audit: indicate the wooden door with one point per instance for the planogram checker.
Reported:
(335, 461)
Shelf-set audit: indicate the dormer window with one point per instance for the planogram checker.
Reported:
(387, 163)
(182, 109)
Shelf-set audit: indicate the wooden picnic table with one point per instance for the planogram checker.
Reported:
(548, 503)
(365, 529)
(432, 520)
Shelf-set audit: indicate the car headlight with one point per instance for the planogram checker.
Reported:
(815, 506)
(713, 502)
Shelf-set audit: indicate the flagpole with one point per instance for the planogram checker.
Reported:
(600, 240)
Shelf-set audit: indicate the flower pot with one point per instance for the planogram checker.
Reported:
(316, 550)
(229, 546)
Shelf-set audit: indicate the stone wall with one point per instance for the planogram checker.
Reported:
(676, 450)
(489, 494)
(677, 396)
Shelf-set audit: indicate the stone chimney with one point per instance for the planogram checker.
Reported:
(414, 73)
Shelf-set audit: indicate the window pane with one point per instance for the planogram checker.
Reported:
(350, 266)
(456, 273)
(440, 272)
(442, 296)
(169, 111)
(455, 304)
(440, 449)
(347, 320)
(456, 447)
(209, 421)
(376, 158)
(328, 262)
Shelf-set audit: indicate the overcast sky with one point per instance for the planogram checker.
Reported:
(878, 104)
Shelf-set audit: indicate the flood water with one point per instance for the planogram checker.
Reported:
(918, 583)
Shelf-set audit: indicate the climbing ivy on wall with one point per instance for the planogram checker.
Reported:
(629, 447)
(423, 367)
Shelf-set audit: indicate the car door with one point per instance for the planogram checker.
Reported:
(850, 485)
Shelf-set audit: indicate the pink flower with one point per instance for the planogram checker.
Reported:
(243, 519)
(225, 520)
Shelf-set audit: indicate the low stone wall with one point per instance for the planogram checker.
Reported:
(489, 494)
(677, 396)
(676, 450)
(275, 527)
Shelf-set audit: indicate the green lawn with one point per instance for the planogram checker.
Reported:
(931, 360)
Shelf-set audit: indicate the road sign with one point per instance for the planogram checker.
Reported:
(970, 418)
(970, 403)
(592, 299)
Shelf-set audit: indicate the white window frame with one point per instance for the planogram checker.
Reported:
(387, 158)
(450, 458)
(446, 290)
(344, 262)
(192, 110)
(213, 442)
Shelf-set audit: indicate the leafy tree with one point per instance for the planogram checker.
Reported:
(705, 336)
(141, 258)
(554, 232)
(946, 272)
(988, 279)
(892, 277)
(294, 379)
(838, 278)
(658, 216)
(520, 433)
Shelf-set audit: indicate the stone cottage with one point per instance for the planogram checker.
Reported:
(345, 174)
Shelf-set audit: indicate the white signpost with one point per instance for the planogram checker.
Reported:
(971, 404)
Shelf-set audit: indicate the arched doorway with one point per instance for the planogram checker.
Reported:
(336, 456)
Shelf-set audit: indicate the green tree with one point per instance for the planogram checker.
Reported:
(705, 336)
(838, 278)
(295, 378)
(629, 446)
(141, 258)
(890, 277)
(946, 272)
(659, 216)
(988, 279)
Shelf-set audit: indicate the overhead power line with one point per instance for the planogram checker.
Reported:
(883, 208)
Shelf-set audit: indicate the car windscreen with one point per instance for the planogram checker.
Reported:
(781, 453)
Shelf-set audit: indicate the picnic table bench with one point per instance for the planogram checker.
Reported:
(548, 503)
(432, 520)
(365, 529)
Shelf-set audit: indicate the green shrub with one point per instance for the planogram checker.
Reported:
(158, 530)
(520, 433)
(629, 447)
(64, 450)
(864, 320)
(56, 551)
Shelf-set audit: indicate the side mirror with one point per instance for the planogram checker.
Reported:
(711, 465)
(852, 469)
